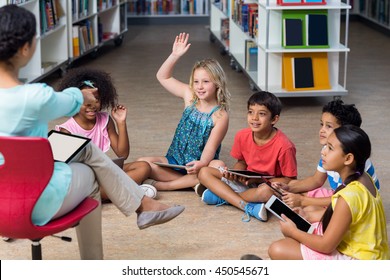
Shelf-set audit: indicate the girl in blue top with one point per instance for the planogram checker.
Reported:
(26, 109)
(204, 123)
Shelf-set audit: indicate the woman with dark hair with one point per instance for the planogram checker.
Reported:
(26, 109)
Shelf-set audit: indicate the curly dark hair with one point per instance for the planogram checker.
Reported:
(80, 77)
(17, 27)
(344, 113)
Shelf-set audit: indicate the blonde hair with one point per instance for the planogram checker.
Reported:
(217, 76)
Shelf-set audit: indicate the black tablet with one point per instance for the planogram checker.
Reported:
(66, 146)
(277, 207)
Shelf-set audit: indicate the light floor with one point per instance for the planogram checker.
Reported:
(208, 232)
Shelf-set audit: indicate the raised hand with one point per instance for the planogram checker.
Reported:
(119, 113)
(180, 45)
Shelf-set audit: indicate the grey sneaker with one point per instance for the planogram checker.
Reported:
(152, 218)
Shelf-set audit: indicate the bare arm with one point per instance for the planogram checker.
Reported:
(338, 226)
(164, 74)
(119, 140)
(310, 183)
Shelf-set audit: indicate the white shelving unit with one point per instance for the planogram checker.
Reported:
(270, 51)
(54, 50)
(106, 22)
(52, 45)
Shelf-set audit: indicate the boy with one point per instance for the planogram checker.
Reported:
(261, 148)
(334, 115)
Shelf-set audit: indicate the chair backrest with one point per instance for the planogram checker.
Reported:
(24, 174)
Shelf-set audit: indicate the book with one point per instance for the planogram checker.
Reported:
(317, 30)
(293, 32)
(75, 41)
(251, 51)
(302, 72)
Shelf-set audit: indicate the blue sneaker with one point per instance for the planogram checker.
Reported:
(256, 210)
(211, 198)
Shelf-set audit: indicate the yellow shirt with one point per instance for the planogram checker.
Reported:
(366, 238)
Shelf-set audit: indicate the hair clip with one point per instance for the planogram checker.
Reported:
(88, 83)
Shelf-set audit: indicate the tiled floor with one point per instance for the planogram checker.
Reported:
(208, 232)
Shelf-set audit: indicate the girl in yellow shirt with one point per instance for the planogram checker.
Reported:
(354, 225)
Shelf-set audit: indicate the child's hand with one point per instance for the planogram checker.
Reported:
(119, 113)
(292, 199)
(287, 226)
(180, 45)
(194, 166)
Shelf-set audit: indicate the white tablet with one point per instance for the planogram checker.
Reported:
(277, 207)
(248, 174)
(162, 164)
(66, 146)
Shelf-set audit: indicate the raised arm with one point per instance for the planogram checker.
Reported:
(119, 139)
(164, 74)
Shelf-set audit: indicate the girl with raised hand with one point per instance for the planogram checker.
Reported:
(204, 123)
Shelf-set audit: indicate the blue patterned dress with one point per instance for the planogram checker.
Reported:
(191, 136)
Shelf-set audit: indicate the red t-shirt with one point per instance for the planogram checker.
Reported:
(276, 158)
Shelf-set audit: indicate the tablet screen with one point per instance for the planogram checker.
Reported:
(66, 146)
(278, 208)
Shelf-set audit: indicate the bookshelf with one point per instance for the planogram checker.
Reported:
(52, 42)
(77, 28)
(94, 23)
(220, 24)
(376, 12)
(168, 9)
(274, 59)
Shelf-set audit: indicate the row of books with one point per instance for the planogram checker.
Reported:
(246, 16)
(305, 29)
(378, 10)
(80, 8)
(225, 31)
(305, 71)
(105, 4)
(223, 5)
(82, 38)
(251, 54)
(50, 13)
(300, 2)
(166, 7)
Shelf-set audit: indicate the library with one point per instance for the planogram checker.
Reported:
(269, 47)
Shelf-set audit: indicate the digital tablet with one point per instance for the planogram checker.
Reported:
(170, 165)
(66, 146)
(248, 174)
(269, 184)
(277, 207)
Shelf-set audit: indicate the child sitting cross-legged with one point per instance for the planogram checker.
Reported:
(261, 148)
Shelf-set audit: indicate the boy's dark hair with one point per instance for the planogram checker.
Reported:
(344, 113)
(87, 78)
(17, 27)
(268, 100)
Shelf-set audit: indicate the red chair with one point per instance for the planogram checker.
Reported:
(24, 173)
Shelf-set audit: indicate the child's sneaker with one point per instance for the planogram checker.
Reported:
(256, 210)
(211, 198)
(149, 190)
(199, 189)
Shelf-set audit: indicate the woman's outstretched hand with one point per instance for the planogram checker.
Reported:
(180, 45)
